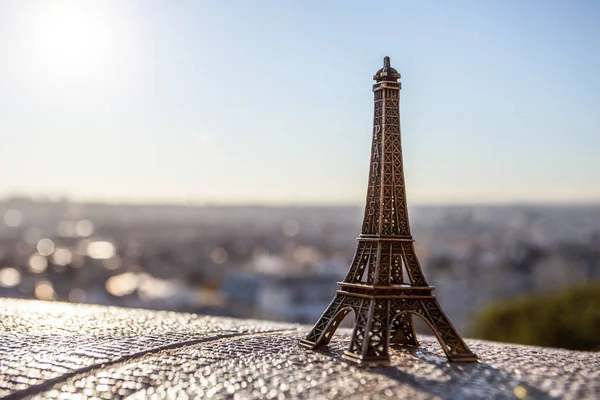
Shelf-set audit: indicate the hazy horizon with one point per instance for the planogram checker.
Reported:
(209, 102)
(200, 203)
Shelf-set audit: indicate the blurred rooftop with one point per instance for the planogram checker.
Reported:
(58, 350)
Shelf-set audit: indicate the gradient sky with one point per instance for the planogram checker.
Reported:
(270, 101)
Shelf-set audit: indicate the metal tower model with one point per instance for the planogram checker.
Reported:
(385, 286)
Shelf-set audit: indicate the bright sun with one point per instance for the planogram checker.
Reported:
(74, 41)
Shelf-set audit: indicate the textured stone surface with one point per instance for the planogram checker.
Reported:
(55, 350)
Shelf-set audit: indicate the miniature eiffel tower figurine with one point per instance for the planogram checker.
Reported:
(384, 298)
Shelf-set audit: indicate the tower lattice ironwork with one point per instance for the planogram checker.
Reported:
(385, 286)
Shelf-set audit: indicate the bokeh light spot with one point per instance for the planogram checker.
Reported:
(37, 263)
(9, 277)
(520, 392)
(12, 217)
(44, 290)
(45, 247)
(84, 228)
(101, 250)
(122, 284)
(61, 256)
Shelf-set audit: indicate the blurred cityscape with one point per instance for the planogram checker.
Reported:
(281, 263)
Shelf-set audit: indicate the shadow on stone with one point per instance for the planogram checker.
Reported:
(432, 373)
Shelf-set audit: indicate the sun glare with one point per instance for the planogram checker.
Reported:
(73, 41)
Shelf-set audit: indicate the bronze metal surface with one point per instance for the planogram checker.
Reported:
(385, 286)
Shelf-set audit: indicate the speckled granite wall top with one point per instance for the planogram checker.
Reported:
(56, 350)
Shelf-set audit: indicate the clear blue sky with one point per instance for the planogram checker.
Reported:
(270, 101)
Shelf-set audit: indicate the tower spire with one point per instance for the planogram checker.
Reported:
(385, 286)
(387, 73)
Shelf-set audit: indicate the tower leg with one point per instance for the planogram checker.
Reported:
(378, 324)
(455, 348)
(370, 338)
(329, 321)
(402, 331)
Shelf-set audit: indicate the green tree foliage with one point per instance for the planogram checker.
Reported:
(569, 319)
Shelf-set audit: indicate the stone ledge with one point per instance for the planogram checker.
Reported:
(54, 350)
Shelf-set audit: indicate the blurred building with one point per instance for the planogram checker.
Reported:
(281, 262)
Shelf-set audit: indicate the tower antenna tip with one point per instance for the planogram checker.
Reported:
(386, 61)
